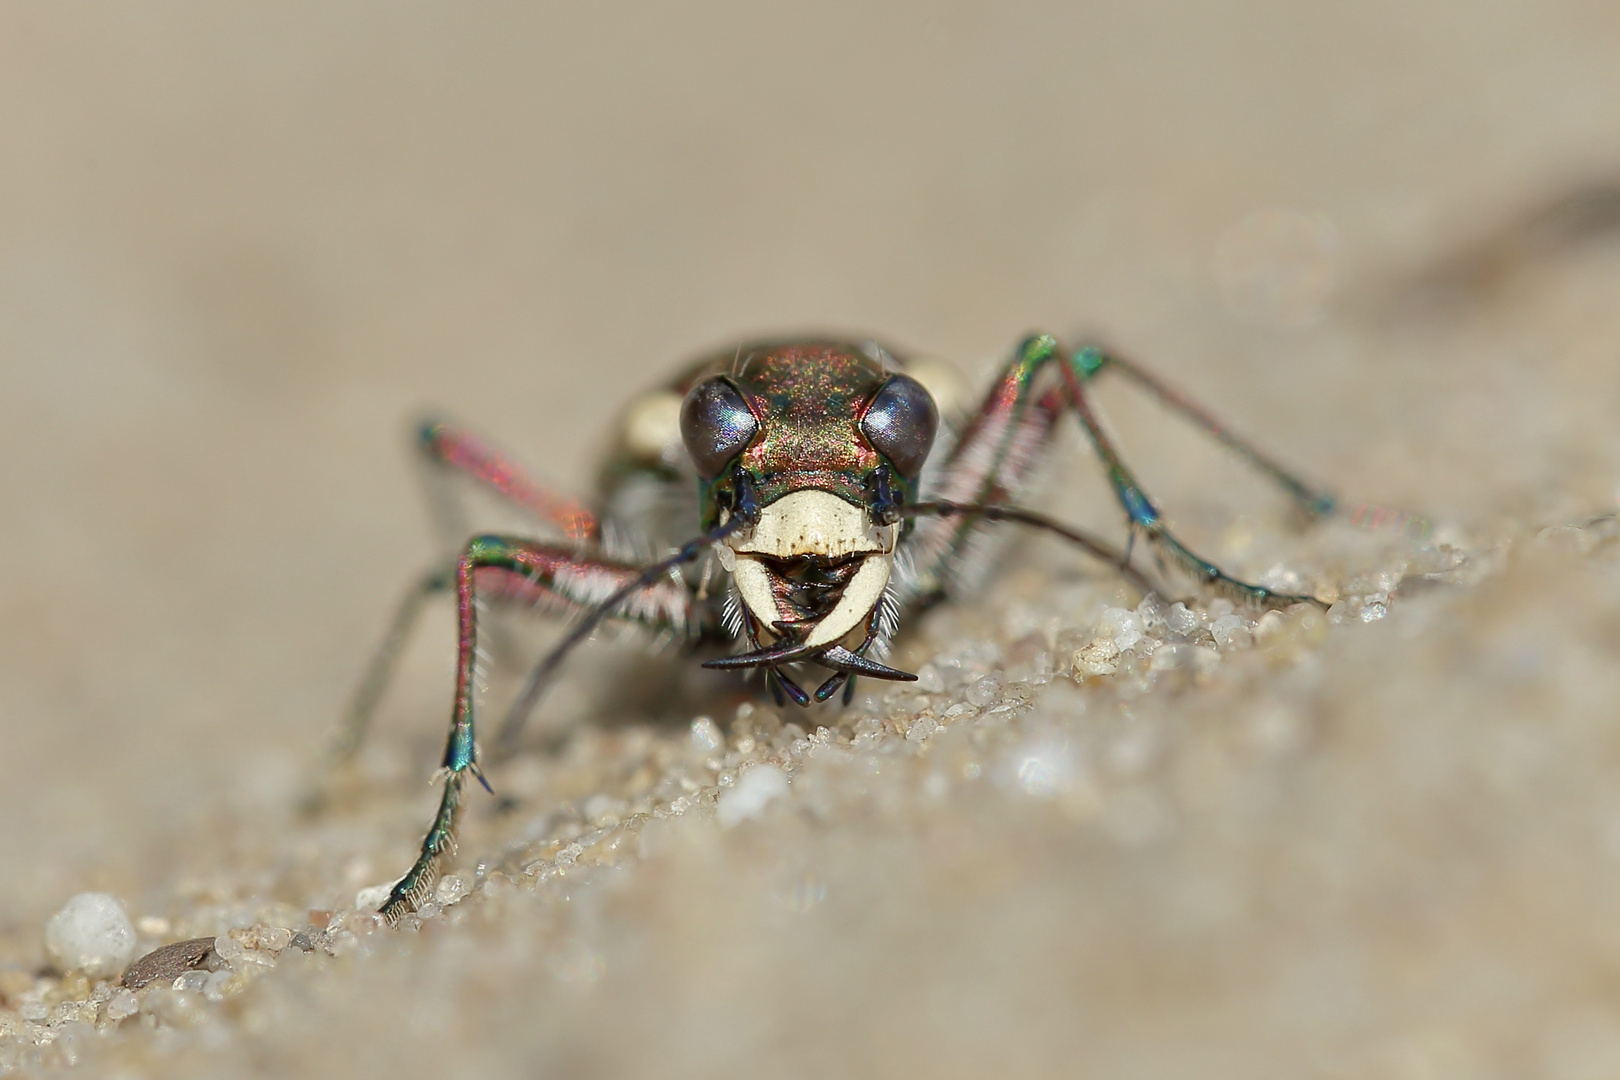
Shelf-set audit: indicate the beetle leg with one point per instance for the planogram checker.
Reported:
(518, 569)
(465, 454)
(450, 454)
(990, 463)
(449, 448)
(1013, 429)
(1140, 512)
(494, 583)
(1315, 502)
(1090, 362)
(639, 584)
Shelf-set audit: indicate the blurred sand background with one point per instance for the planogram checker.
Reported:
(242, 247)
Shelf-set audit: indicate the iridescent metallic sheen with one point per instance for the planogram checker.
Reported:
(806, 457)
(900, 422)
(807, 396)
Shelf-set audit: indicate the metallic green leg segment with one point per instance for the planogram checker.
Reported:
(516, 569)
(1314, 501)
(1012, 429)
(1141, 514)
(461, 748)
(412, 890)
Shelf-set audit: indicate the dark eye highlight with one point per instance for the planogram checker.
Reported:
(900, 423)
(716, 425)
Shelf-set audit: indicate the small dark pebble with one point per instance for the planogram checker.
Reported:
(162, 965)
(302, 941)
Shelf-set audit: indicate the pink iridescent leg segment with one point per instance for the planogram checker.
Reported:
(470, 455)
(597, 588)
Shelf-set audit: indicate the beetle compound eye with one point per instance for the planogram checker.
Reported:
(900, 423)
(716, 425)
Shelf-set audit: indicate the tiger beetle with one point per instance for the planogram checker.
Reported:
(824, 512)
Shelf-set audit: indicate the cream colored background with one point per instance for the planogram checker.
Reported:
(242, 246)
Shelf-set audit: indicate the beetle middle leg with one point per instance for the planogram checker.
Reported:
(1013, 428)
(1142, 515)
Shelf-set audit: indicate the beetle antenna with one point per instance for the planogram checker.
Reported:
(1101, 549)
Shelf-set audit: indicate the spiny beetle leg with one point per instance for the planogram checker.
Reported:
(520, 567)
(1011, 432)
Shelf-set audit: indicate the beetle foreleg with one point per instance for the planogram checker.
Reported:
(641, 582)
(513, 568)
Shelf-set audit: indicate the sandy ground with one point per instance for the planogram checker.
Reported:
(241, 249)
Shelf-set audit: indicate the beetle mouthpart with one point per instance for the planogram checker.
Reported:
(841, 659)
(835, 656)
(769, 656)
(814, 522)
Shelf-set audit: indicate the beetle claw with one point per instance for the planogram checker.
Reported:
(841, 659)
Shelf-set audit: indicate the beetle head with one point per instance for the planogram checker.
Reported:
(824, 440)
